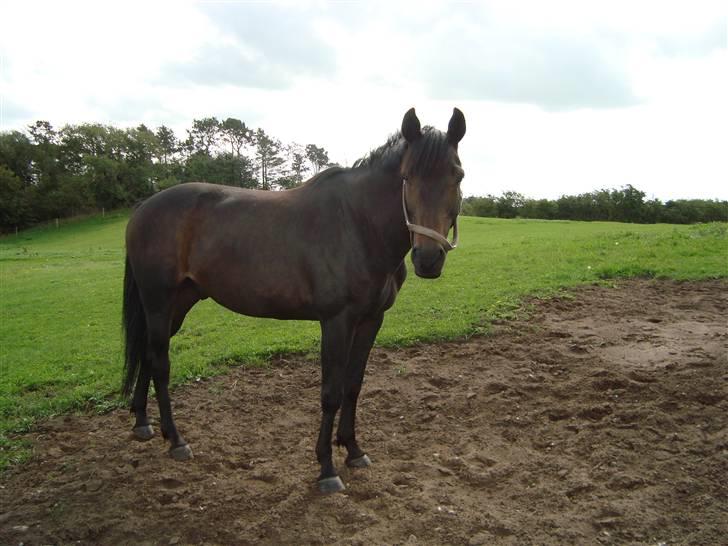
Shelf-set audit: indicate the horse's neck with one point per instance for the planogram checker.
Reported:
(380, 198)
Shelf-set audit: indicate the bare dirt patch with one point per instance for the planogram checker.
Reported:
(602, 419)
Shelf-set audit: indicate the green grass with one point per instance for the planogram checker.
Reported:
(60, 302)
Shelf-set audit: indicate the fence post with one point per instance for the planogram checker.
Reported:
(57, 223)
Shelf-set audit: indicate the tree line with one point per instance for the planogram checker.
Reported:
(627, 204)
(48, 173)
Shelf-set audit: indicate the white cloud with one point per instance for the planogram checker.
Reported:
(72, 61)
(559, 97)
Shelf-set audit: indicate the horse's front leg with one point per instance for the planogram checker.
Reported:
(366, 333)
(336, 338)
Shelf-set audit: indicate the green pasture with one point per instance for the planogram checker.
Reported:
(60, 302)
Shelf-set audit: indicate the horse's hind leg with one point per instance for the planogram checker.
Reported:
(142, 429)
(158, 328)
(364, 337)
(186, 298)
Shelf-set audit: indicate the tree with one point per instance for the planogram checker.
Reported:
(139, 147)
(203, 136)
(105, 176)
(43, 133)
(538, 208)
(81, 141)
(167, 142)
(46, 167)
(295, 168)
(16, 153)
(114, 165)
(628, 204)
(509, 204)
(318, 157)
(48, 173)
(268, 158)
(480, 206)
(15, 200)
(298, 167)
(236, 134)
(224, 168)
(241, 168)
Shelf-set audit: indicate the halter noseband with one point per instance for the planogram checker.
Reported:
(427, 232)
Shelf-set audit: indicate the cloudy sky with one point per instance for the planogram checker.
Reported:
(560, 97)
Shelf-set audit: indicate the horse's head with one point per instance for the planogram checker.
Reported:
(431, 196)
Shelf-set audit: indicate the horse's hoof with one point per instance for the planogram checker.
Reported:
(143, 432)
(181, 453)
(359, 462)
(331, 485)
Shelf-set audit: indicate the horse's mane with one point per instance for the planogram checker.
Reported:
(325, 174)
(387, 157)
(429, 153)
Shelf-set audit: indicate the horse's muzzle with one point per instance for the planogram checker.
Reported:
(428, 261)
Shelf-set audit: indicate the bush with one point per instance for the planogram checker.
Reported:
(623, 205)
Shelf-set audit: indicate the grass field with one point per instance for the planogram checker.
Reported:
(60, 302)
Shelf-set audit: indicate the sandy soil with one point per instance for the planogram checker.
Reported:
(601, 419)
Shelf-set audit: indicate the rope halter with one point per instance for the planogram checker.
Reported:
(447, 246)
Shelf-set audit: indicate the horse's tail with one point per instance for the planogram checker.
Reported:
(134, 325)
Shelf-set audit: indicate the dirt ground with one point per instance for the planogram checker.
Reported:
(601, 419)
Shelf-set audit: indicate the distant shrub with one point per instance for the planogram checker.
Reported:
(619, 205)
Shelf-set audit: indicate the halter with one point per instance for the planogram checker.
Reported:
(427, 232)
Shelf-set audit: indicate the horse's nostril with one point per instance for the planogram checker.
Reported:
(427, 257)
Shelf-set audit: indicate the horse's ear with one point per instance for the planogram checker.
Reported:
(411, 128)
(456, 127)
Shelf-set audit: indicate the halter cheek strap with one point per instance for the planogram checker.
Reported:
(427, 232)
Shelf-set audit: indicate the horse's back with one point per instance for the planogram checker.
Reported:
(177, 200)
(185, 206)
(255, 252)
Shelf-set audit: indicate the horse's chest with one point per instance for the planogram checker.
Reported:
(382, 295)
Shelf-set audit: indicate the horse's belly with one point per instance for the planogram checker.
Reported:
(280, 302)
(265, 309)
(260, 297)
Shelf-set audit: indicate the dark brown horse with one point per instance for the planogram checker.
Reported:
(331, 250)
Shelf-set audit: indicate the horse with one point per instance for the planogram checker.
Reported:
(330, 250)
